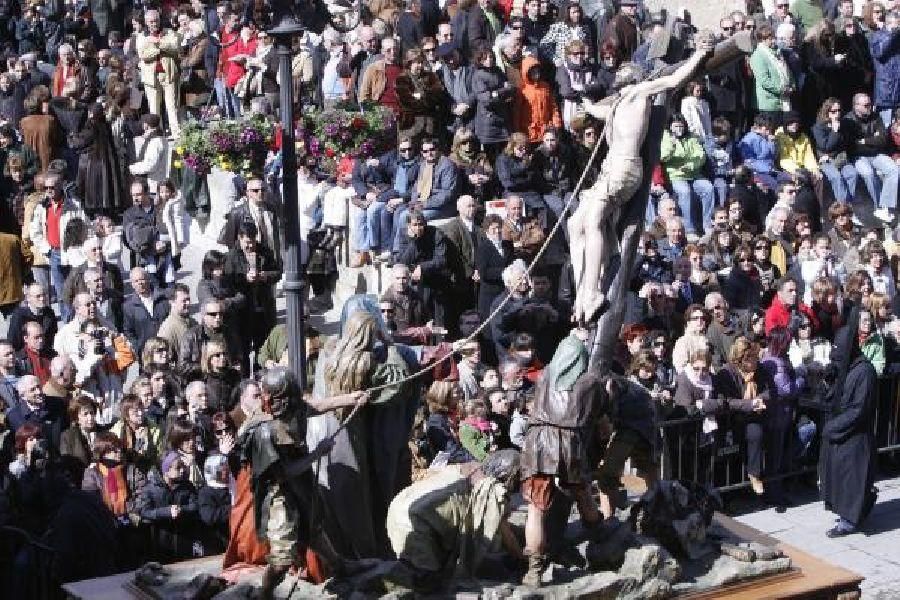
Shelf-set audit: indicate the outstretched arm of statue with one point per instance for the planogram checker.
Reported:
(681, 75)
(323, 405)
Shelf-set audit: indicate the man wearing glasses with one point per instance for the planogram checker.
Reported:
(48, 223)
(869, 144)
(254, 206)
(211, 327)
(35, 308)
(379, 80)
(383, 186)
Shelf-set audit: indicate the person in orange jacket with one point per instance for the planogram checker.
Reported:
(534, 107)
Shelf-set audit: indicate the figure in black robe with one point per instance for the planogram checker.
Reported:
(848, 441)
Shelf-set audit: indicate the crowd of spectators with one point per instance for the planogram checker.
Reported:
(770, 217)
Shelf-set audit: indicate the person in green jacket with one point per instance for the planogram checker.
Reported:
(683, 157)
(870, 341)
(772, 77)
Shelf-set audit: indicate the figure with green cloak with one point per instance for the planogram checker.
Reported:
(444, 526)
(568, 401)
(370, 462)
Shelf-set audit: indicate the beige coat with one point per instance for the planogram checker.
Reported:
(374, 81)
(166, 51)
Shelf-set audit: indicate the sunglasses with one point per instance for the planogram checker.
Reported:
(220, 432)
(254, 189)
(213, 314)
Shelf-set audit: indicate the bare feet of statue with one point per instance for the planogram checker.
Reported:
(592, 307)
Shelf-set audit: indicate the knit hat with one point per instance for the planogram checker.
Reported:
(168, 461)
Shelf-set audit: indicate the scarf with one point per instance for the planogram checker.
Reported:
(423, 183)
(115, 490)
(751, 390)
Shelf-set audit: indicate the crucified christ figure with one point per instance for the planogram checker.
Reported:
(592, 229)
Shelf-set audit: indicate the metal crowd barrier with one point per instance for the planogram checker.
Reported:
(686, 453)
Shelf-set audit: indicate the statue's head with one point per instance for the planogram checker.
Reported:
(279, 388)
(628, 74)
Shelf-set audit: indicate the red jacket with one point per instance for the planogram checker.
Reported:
(778, 315)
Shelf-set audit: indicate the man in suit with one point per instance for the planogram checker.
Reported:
(462, 240)
(143, 310)
(257, 208)
(35, 308)
(111, 273)
(109, 301)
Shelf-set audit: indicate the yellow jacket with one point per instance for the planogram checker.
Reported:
(795, 153)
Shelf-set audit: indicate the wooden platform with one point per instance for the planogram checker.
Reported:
(810, 578)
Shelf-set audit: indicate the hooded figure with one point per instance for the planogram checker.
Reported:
(534, 107)
(364, 470)
(848, 443)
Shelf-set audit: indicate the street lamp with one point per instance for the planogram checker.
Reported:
(292, 17)
(286, 29)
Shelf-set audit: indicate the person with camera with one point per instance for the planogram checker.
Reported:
(96, 369)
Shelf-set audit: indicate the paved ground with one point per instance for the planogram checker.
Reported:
(874, 553)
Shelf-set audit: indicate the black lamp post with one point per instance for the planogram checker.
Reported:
(284, 32)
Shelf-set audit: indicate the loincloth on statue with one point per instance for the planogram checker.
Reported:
(620, 178)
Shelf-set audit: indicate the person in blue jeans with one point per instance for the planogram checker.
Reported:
(869, 145)
(832, 146)
(683, 157)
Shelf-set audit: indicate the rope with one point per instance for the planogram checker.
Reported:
(524, 277)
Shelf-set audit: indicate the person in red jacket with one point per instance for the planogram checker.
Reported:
(786, 308)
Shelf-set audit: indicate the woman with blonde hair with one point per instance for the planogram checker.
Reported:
(517, 174)
(367, 467)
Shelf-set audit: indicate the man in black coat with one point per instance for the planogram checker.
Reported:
(35, 308)
(143, 310)
(483, 25)
(462, 239)
(211, 327)
(848, 442)
(424, 250)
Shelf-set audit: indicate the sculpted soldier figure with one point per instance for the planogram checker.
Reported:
(283, 485)
(593, 226)
(568, 402)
